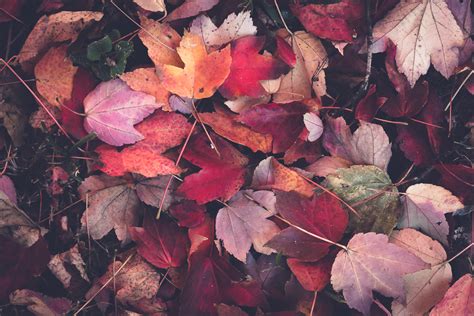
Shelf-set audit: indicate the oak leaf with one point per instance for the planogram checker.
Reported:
(321, 215)
(425, 206)
(195, 80)
(55, 76)
(220, 176)
(244, 222)
(112, 109)
(371, 263)
(424, 31)
(56, 28)
(233, 27)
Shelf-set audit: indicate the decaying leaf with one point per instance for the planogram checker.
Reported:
(369, 264)
(58, 263)
(233, 27)
(244, 222)
(424, 207)
(372, 191)
(56, 28)
(195, 80)
(39, 304)
(424, 31)
(112, 109)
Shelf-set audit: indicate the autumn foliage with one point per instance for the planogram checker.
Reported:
(251, 157)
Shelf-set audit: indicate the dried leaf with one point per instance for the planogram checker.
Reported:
(73, 257)
(458, 299)
(152, 5)
(191, 8)
(39, 304)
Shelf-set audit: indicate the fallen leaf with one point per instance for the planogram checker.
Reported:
(424, 207)
(72, 257)
(161, 242)
(313, 276)
(195, 80)
(55, 76)
(414, 144)
(188, 213)
(39, 304)
(161, 41)
(423, 31)
(191, 8)
(272, 175)
(145, 80)
(161, 131)
(457, 300)
(248, 68)
(152, 5)
(371, 189)
(112, 109)
(321, 215)
(59, 27)
(8, 188)
(369, 264)
(233, 27)
(307, 75)
(314, 125)
(459, 179)
(283, 121)
(114, 203)
(220, 177)
(369, 145)
(244, 222)
(226, 125)
(426, 287)
(334, 21)
(327, 165)
(20, 264)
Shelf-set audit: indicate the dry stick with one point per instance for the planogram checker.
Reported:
(460, 253)
(281, 17)
(331, 193)
(405, 175)
(198, 118)
(105, 284)
(37, 99)
(7, 159)
(162, 202)
(60, 211)
(375, 118)
(313, 305)
(141, 27)
(458, 89)
(11, 15)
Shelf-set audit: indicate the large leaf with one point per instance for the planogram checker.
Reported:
(458, 299)
(195, 80)
(321, 215)
(424, 207)
(372, 190)
(245, 222)
(369, 264)
(423, 31)
(112, 109)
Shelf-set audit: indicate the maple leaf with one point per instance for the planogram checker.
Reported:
(195, 80)
(321, 215)
(373, 191)
(20, 264)
(425, 206)
(457, 300)
(423, 31)
(59, 27)
(226, 125)
(191, 8)
(152, 5)
(162, 243)
(55, 76)
(244, 222)
(369, 264)
(113, 203)
(233, 27)
(161, 131)
(220, 176)
(188, 213)
(40, 304)
(335, 21)
(307, 74)
(272, 175)
(161, 41)
(283, 121)
(368, 145)
(145, 80)
(112, 109)
(414, 145)
(313, 276)
(248, 68)
(426, 287)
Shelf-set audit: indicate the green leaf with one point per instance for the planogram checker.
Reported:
(96, 49)
(371, 192)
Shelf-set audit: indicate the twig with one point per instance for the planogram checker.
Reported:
(281, 17)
